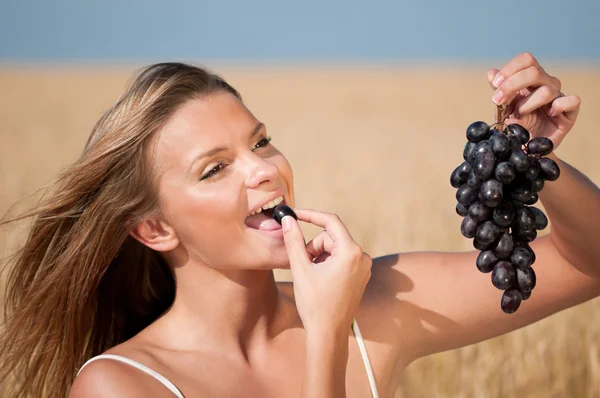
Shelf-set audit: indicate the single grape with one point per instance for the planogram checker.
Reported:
(503, 275)
(541, 221)
(281, 211)
(528, 235)
(521, 257)
(466, 195)
(479, 212)
(505, 172)
(540, 146)
(504, 247)
(462, 210)
(525, 295)
(525, 218)
(469, 146)
(525, 245)
(511, 300)
(480, 246)
(534, 169)
(532, 199)
(500, 144)
(514, 142)
(538, 184)
(521, 190)
(468, 227)
(504, 214)
(520, 132)
(482, 147)
(478, 131)
(520, 160)
(490, 193)
(484, 164)
(488, 232)
(460, 175)
(486, 261)
(473, 181)
(549, 169)
(525, 279)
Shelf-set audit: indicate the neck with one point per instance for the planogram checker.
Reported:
(228, 309)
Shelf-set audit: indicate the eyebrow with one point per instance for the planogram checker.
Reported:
(221, 148)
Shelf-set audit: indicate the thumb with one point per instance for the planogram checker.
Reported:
(294, 241)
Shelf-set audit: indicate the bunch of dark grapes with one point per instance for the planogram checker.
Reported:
(497, 183)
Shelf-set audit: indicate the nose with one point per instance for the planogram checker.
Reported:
(260, 171)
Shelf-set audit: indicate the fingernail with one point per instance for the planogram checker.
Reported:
(551, 112)
(286, 223)
(497, 80)
(497, 97)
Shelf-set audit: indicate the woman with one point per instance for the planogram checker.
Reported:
(153, 249)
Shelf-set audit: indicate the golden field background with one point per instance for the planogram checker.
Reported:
(374, 145)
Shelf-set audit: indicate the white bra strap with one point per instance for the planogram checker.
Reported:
(178, 394)
(365, 358)
(141, 367)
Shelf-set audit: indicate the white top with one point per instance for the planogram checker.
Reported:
(178, 394)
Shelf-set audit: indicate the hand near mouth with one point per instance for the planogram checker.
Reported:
(330, 273)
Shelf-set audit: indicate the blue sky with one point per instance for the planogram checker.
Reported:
(310, 30)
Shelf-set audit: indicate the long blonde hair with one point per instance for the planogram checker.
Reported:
(81, 284)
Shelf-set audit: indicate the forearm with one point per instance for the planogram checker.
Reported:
(325, 367)
(572, 204)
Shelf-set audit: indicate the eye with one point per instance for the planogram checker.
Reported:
(262, 143)
(213, 171)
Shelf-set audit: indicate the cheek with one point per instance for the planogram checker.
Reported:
(286, 171)
(201, 219)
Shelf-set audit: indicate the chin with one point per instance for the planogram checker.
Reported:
(277, 259)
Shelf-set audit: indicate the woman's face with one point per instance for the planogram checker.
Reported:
(216, 166)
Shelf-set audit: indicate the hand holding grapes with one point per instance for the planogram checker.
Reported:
(505, 168)
(533, 98)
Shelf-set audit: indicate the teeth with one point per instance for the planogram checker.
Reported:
(273, 203)
(267, 206)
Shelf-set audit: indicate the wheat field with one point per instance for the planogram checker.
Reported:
(374, 145)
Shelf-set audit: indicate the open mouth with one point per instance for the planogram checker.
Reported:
(262, 218)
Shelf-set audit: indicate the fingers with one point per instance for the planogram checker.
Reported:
(321, 258)
(539, 97)
(568, 105)
(321, 244)
(518, 63)
(330, 222)
(294, 243)
(556, 82)
(530, 77)
(524, 85)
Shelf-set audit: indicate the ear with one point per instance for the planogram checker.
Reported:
(156, 234)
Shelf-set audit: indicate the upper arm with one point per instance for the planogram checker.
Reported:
(440, 301)
(109, 378)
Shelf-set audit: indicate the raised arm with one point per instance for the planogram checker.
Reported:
(440, 301)
(573, 205)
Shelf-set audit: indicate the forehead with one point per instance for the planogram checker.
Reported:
(202, 124)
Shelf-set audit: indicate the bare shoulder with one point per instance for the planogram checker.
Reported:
(110, 378)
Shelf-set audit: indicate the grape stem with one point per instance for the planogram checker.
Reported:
(500, 116)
